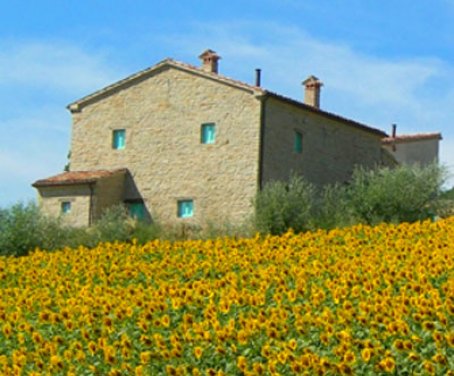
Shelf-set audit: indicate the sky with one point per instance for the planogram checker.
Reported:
(382, 63)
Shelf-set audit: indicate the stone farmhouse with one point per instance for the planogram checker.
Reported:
(184, 144)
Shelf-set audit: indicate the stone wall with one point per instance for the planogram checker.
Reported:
(50, 200)
(162, 115)
(331, 149)
(423, 152)
(108, 192)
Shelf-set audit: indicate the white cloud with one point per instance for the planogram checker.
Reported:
(58, 66)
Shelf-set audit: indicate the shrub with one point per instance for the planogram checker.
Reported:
(280, 206)
(402, 194)
(144, 232)
(22, 227)
(332, 208)
(114, 225)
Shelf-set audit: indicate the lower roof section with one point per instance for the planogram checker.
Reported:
(77, 177)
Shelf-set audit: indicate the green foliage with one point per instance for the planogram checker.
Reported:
(114, 224)
(401, 194)
(280, 206)
(332, 208)
(23, 228)
(448, 194)
(405, 193)
(144, 232)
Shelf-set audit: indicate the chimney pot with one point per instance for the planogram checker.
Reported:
(312, 91)
(209, 61)
(258, 77)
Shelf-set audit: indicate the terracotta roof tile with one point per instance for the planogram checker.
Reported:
(77, 177)
(411, 137)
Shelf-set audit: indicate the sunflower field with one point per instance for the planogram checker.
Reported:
(360, 300)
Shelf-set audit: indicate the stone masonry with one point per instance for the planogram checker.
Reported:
(162, 116)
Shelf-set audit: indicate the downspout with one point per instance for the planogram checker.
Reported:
(91, 186)
(262, 140)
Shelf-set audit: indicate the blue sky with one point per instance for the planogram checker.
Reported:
(381, 62)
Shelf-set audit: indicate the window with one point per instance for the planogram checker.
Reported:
(208, 135)
(65, 207)
(136, 209)
(118, 139)
(185, 208)
(298, 146)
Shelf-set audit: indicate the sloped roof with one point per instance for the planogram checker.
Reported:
(330, 115)
(411, 138)
(77, 177)
(167, 63)
(170, 63)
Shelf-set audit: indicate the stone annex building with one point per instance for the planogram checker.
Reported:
(179, 143)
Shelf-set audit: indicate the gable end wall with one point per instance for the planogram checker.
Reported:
(162, 116)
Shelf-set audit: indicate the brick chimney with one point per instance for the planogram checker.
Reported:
(209, 61)
(312, 91)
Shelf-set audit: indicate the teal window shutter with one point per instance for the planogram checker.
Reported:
(208, 135)
(185, 208)
(298, 146)
(119, 139)
(136, 210)
(65, 207)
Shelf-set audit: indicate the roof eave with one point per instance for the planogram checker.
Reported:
(76, 105)
(412, 138)
(331, 115)
(53, 181)
(44, 184)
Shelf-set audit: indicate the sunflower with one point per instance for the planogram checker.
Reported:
(8, 330)
(56, 362)
(388, 364)
(292, 344)
(139, 371)
(198, 352)
(429, 367)
(428, 325)
(349, 357)
(241, 363)
(165, 321)
(145, 357)
(399, 345)
(366, 354)
(258, 368)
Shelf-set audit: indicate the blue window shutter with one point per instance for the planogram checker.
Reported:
(208, 135)
(136, 210)
(298, 146)
(119, 139)
(65, 207)
(185, 208)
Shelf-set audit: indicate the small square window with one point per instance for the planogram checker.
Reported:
(118, 139)
(65, 207)
(298, 145)
(185, 208)
(208, 135)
